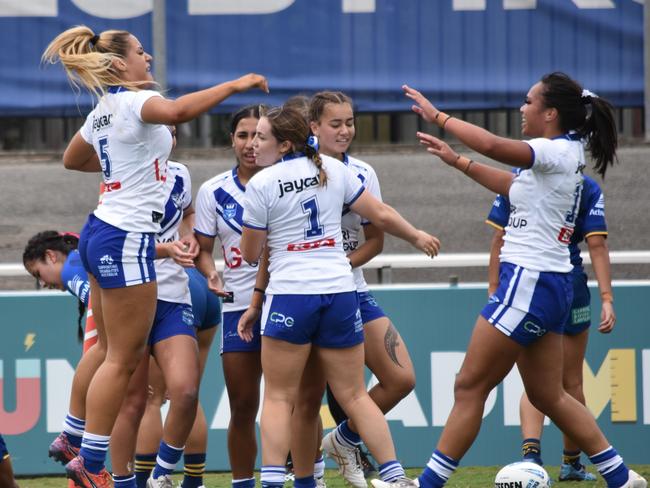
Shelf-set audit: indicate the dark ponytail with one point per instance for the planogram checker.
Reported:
(65, 243)
(52, 240)
(589, 115)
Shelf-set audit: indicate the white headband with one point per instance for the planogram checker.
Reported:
(587, 94)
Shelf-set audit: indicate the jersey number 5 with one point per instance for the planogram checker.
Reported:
(104, 159)
(314, 229)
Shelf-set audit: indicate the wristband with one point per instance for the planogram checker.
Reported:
(607, 296)
(468, 165)
(444, 121)
(259, 290)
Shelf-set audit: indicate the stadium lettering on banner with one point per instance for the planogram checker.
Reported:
(136, 8)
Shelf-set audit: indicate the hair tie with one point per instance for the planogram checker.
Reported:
(67, 234)
(312, 141)
(587, 96)
(94, 40)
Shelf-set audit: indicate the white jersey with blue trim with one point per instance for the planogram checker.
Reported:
(303, 221)
(544, 204)
(173, 284)
(351, 222)
(219, 213)
(133, 156)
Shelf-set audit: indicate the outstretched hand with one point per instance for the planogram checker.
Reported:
(423, 107)
(428, 244)
(438, 147)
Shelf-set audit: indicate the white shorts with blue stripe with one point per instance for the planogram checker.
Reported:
(528, 304)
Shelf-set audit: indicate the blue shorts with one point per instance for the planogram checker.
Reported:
(370, 309)
(116, 258)
(206, 306)
(528, 304)
(171, 319)
(230, 340)
(4, 453)
(580, 317)
(330, 320)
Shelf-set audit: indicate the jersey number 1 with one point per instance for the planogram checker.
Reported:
(314, 229)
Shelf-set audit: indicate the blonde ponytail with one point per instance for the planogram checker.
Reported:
(88, 58)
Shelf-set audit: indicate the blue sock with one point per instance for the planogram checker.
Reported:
(73, 428)
(532, 450)
(127, 481)
(346, 436)
(272, 476)
(611, 466)
(438, 470)
(391, 471)
(168, 457)
(193, 470)
(93, 449)
(306, 482)
(244, 483)
(144, 463)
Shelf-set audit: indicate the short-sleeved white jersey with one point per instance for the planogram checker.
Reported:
(133, 156)
(351, 223)
(544, 203)
(303, 221)
(173, 285)
(219, 213)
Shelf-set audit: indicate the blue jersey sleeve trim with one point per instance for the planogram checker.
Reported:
(255, 227)
(354, 199)
(204, 233)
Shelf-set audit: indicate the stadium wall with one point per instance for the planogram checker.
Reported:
(467, 54)
(38, 353)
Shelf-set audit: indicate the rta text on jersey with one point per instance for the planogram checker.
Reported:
(297, 185)
(102, 121)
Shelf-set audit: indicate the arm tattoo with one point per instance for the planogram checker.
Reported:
(391, 343)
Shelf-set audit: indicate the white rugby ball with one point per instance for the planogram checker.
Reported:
(522, 475)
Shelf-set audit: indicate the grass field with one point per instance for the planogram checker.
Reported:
(469, 477)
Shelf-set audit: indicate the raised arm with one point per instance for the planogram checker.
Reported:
(494, 179)
(508, 151)
(158, 110)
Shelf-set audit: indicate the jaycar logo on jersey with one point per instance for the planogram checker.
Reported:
(297, 185)
(229, 211)
(101, 121)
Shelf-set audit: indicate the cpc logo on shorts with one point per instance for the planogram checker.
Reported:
(533, 328)
(281, 319)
